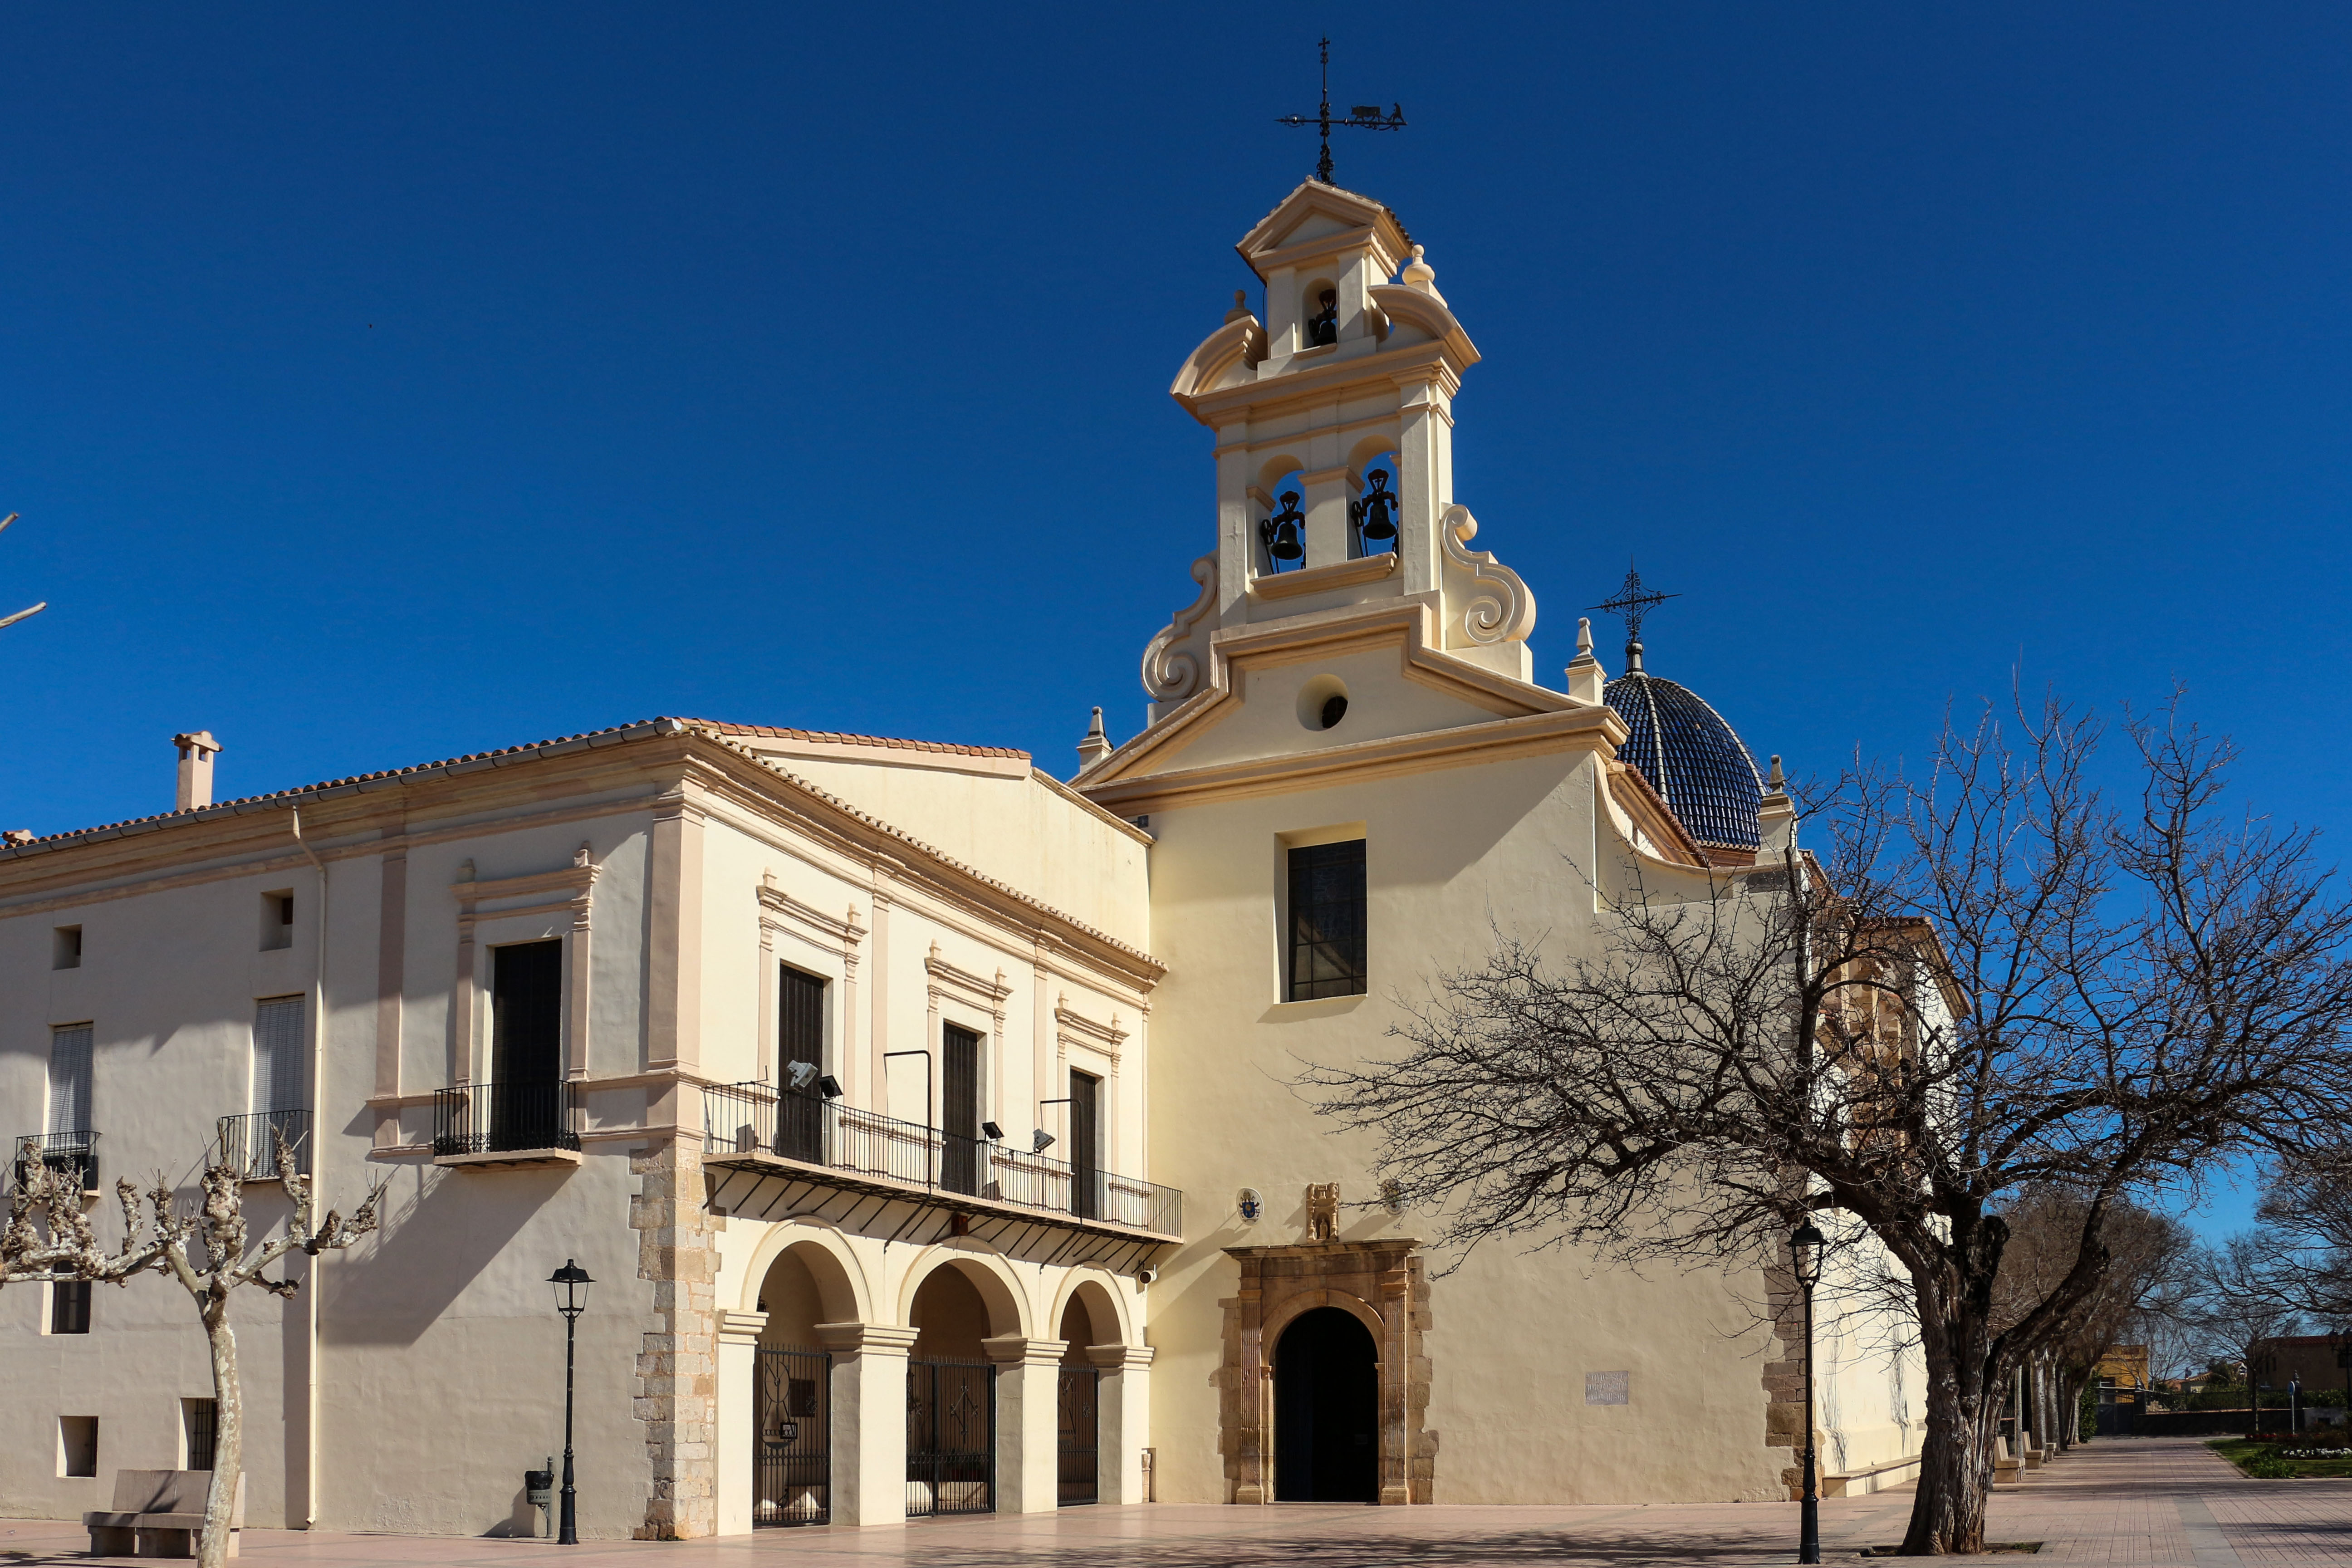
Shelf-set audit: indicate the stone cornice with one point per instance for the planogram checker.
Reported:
(1402, 366)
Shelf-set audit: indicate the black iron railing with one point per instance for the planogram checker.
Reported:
(62, 1153)
(249, 1144)
(504, 1117)
(760, 1118)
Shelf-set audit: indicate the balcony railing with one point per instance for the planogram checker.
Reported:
(248, 1144)
(62, 1153)
(504, 1117)
(760, 1118)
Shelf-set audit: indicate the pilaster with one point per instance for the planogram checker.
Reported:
(1028, 1409)
(869, 1420)
(738, 1418)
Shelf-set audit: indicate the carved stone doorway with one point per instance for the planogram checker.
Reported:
(1379, 1283)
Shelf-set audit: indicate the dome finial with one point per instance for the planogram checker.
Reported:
(1633, 602)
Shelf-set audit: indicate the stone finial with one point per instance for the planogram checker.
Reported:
(1241, 311)
(1419, 274)
(1776, 781)
(1096, 746)
(1587, 682)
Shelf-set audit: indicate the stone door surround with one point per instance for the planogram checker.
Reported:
(1381, 1283)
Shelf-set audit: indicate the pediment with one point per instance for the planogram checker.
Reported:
(1268, 682)
(1316, 211)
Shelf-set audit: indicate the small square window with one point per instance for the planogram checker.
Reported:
(65, 948)
(69, 1306)
(77, 1444)
(277, 920)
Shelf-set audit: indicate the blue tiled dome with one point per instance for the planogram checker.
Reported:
(1690, 756)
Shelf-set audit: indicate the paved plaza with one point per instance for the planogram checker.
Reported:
(2153, 1504)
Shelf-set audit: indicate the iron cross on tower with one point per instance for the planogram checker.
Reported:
(1633, 602)
(1363, 116)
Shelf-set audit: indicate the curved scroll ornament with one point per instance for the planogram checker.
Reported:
(1500, 608)
(1171, 669)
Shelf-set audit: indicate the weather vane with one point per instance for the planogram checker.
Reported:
(1363, 116)
(1631, 604)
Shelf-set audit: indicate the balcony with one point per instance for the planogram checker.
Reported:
(756, 1127)
(534, 1122)
(248, 1144)
(62, 1153)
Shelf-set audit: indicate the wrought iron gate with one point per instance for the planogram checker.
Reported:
(793, 1404)
(950, 1437)
(1078, 1438)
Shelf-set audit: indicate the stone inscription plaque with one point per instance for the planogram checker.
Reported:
(1609, 1388)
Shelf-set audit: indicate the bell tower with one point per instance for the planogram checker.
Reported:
(1334, 426)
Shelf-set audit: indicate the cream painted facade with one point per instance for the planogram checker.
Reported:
(948, 931)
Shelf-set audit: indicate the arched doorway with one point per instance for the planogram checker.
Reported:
(950, 1397)
(791, 1399)
(1327, 1410)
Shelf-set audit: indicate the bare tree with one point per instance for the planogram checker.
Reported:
(2144, 1285)
(1982, 981)
(2242, 1298)
(49, 1237)
(2306, 1218)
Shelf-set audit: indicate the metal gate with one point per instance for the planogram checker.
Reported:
(1078, 1458)
(793, 1404)
(950, 1437)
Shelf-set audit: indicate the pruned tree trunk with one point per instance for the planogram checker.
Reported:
(228, 1433)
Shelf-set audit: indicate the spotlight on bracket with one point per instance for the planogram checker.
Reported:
(992, 1132)
(799, 1075)
(828, 1086)
(1040, 1141)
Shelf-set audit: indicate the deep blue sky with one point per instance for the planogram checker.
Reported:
(381, 386)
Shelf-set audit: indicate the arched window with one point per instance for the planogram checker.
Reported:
(1373, 517)
(1282, 533)
(1322, 315)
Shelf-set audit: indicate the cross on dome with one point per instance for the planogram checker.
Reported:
(1632, 605)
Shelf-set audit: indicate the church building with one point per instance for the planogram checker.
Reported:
(929, 1123)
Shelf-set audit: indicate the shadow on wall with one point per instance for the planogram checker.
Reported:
(436, 1241)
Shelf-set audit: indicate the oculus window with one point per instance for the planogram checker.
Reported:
(1327, 922)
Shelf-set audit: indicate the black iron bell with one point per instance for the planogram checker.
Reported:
(1280, 532)
(1375, 514)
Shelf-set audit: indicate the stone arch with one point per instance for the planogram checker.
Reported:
(1102, 1306)
(999, 1287)
(1307, 1301)
(1372, 448)
(1277, 468)
(840, 1281)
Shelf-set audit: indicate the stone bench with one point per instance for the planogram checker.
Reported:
(159, 1513)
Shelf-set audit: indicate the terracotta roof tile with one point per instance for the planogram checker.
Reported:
(832, 737)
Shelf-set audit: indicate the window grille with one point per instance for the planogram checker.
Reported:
(69, 1306)
(1327, 922)
(201, 1418)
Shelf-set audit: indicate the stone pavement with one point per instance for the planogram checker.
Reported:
(2151, 1503)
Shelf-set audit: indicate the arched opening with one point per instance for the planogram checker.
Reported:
(1077, 1409)
(951, 1397)
(1321, 314)
(792, 1387)
(1282, 530)
(1327, 1410)
(1375, 514)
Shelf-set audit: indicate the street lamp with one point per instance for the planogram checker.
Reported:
(1805, 1247)
(571, 1283)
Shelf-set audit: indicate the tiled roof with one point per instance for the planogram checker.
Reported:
(1691, 757)
(831, 737)
(506, 756)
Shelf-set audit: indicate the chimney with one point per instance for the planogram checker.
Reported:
(195, 769)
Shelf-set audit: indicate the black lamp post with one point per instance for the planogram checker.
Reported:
(2343, 1343)
(571, 1283)
(1805, 1247)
